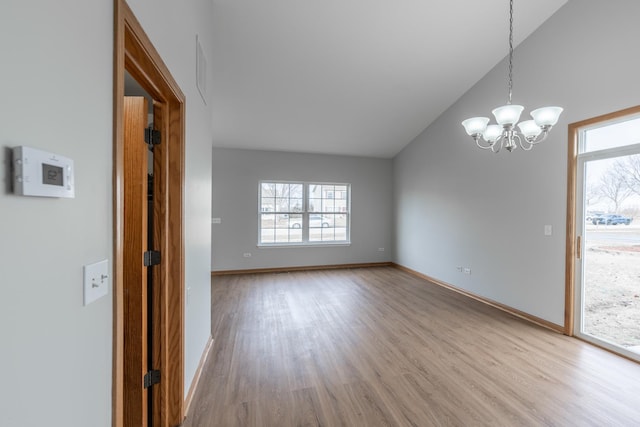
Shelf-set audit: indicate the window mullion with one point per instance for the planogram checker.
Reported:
(305, 214)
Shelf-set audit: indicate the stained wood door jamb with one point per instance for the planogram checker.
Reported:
(135, 53)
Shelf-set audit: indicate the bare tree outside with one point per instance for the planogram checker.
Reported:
(281, 197)
(613, 185)
(630, 169)
(592, 194)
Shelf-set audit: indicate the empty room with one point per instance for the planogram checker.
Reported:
(355, 213)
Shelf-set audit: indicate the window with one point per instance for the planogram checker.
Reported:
(297, 213)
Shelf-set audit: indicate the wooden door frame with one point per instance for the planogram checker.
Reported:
(135, 54)
(136, 296)
(572, 177)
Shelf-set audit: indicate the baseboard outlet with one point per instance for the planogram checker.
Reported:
(513, 311)
(303, 268)
(196, 377)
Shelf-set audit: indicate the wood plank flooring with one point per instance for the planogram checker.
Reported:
(379, 347)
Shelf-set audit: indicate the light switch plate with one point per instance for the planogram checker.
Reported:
(548, 230)
(96, 281)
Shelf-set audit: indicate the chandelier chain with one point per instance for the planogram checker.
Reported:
(510, 49)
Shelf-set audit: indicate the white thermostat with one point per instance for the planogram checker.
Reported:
(39, 173)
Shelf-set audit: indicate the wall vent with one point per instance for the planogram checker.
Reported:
(201, 71)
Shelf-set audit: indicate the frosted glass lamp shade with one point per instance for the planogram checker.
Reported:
(546, 116)
(475, 125)
(492, 133)
(529, 129)
(508, 114)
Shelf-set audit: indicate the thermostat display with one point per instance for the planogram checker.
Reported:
(52, 175)
(40, 173)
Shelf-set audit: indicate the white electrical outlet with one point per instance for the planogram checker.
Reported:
(548, 230)
(247, 254)
(380, 249)
(467, 270)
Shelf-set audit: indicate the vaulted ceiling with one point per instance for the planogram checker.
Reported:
(352, 77)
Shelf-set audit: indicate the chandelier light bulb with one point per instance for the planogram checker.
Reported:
(508, 114)
(492, 133)
(475, 125)
(546, 116)
(530, 129)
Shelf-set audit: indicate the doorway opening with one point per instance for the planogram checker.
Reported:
(605, 297)
(148, 344)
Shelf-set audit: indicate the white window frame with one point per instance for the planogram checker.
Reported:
(584, 156)
(305, 215)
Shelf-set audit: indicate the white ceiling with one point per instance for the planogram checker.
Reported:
(352, 77)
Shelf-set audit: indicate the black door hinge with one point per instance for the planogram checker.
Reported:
(151, 378)
(151, 258)
(152, 136)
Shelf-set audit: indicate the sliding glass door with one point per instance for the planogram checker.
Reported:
(607, 294)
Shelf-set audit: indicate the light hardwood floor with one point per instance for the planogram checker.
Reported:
(380, 347)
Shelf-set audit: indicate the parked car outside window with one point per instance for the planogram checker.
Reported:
(315, 221)
(593, 214)
(611, 219)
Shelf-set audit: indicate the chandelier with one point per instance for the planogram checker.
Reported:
(504, 134)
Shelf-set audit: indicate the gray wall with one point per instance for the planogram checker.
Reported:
(457, 205)
(178, 50)
(236, 174)
(57, 94)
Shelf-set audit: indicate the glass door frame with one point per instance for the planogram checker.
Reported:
(576, 163)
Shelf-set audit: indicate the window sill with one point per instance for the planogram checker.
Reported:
(303, 245)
